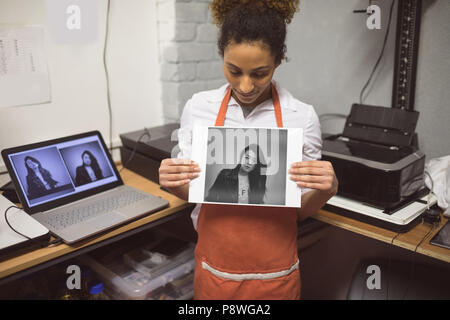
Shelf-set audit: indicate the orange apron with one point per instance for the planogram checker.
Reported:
(246, 252)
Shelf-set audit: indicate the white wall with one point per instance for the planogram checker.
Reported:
(188, 53)
(332, 54)
(77, 76)
(433, 80)
(330, 49)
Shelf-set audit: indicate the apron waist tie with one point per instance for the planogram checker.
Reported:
(250, 276)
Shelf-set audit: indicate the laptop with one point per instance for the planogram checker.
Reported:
(72, 187)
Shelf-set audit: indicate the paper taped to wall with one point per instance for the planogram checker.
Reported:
(24, 78)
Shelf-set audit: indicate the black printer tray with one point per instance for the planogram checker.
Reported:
(159, 146)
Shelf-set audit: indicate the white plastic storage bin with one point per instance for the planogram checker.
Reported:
(159, 256)
(132, 285)
(134, 273)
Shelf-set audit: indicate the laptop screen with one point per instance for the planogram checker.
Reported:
(63, 169)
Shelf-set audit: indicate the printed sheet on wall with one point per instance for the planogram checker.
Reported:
(24, 78)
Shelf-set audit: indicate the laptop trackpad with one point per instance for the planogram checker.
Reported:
(107, 220)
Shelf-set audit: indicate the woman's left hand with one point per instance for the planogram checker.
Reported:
(315, 174)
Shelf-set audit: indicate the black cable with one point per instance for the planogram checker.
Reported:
(379, 57)
(414, 260)
(7, 222)
(424, 237)
(431, 189)
(429, 231)
(431, 179)
(107, 77)
(57, 240)
(389, 266)
(388, 273)
(43, 244)
(146, 133)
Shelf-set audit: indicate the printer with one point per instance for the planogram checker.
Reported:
(376, 159)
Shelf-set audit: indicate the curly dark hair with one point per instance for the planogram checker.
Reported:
(252, 20)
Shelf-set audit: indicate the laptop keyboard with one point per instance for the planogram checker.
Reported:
(76, 215)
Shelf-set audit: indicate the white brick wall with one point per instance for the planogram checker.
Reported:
(188, 53)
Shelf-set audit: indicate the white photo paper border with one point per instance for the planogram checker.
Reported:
(199, 154)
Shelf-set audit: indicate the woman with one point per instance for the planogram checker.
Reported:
(39, 180)
(244, 183)
(89, 171)
(250, 252)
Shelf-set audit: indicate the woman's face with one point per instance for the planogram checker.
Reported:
(249, 68)
(248, 161)
(31, 164)
(86, 159)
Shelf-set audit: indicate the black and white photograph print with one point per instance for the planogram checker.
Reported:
(86, 163)
(243, 183)
(245, 166)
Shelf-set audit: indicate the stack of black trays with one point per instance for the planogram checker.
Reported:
(143, 154)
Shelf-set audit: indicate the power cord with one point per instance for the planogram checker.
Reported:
(146, 133)
(42, 244)
(415, 249)
(431, 189)
(433, 226)
(364, 286)
(108, 96)
(389, 265)
(380, 56)
(414, 260)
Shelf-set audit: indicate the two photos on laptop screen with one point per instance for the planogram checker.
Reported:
(55, 171)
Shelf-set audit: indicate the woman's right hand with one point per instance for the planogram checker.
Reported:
(175, 172)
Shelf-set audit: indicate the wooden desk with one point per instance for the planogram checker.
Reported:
(411, 240)
(32, 261)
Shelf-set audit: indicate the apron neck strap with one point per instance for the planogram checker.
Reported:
(220, 120)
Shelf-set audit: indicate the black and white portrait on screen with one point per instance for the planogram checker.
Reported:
(86, 163)
(41, 174)
(89, 170)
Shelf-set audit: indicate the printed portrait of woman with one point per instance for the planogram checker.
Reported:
(245, 183)
(89, 170)
(39, 179)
